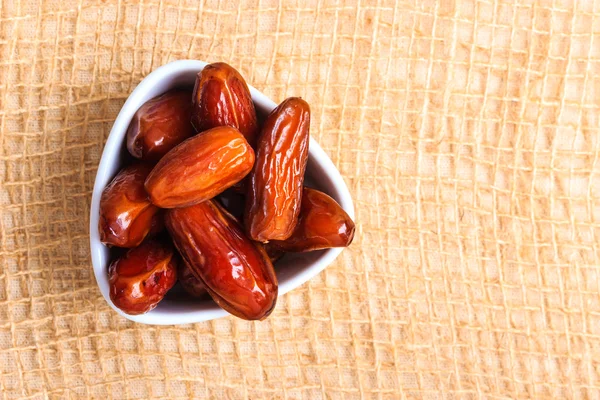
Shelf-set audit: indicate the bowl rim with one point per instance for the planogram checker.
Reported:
(114, 144)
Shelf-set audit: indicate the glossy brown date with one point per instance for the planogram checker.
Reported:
(200, 168)
(141, 277)
(237, 273)
(126, 214)
(192, 285)
(322, 224)
(275, 184)
(221, 98)
(160, 124)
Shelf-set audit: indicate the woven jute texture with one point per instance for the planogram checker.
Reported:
(467, 132)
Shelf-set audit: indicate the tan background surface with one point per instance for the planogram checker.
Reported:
(467, 131)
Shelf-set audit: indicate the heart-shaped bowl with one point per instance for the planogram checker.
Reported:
(292, 270)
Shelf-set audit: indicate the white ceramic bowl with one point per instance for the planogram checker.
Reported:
(292, 270)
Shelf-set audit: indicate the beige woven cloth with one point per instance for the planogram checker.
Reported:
(467, 132)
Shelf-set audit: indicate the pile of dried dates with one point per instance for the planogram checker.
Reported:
(192, 150)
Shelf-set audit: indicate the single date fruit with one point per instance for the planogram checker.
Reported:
(221, 98)
(236, 272)
(200, 168)
(275, 187)
(126, 213)
(160, 124)
(140, 279)
(322, 224)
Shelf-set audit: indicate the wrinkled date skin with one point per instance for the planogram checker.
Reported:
(237, 273)
(322, 224)
(275, 187)
(140, 279)
(160, 124)
(200, 168)
(221, 98)
(192, 285)
(126, 214)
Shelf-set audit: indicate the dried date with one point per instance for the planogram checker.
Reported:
(140, 279)
(160, 124)
(200, 168)
(126, 213)
(275, 184)
(322, 224)
(221, 98)
(236, 272)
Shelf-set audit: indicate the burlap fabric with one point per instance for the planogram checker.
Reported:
(467, 132)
